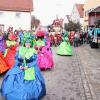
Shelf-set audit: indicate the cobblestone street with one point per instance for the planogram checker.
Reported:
(74, 77)
(65, 81)
(90, 59)
(50, 50)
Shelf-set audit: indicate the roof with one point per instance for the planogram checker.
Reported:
(96, 9)
(16, 5)
(80, 9)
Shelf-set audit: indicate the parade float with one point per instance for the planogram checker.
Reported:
(56, 31)
(57, 25)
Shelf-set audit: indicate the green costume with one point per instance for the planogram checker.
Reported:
(27, 53)
(27, 37)
(65, 48)
(40, 43)
(9, 43)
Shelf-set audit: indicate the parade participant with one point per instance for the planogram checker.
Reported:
(8, 61)
(64, 48)
(10, 51)
(24, 81)
(59, 39)
(2, 44)
(3, 65)
(51, 39)
(27, 35)
(45, 59)
(55, 40)
(10, 55)
(71, 37)
(11, 39)
(76, 39)
(20, 35)
(40, 39)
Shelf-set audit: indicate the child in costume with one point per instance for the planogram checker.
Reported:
(44, 59)
(40, 39)
(65, 48)
(11, 39)
(24, 81)
(10, 52)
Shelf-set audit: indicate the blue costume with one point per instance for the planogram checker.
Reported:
(18, 84)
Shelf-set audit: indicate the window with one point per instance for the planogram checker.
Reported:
(18, 15)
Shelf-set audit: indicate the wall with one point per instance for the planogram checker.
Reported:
(75, 17)
(89, 4)
(15, 19)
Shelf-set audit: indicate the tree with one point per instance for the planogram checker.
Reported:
(71, 26)
(34, 22)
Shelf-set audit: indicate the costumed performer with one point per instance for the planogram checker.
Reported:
(65, 48)
(24, 80)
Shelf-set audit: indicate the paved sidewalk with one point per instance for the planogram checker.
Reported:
(90, 59)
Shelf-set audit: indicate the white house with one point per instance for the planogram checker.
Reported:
(77, 13)
(16, 14)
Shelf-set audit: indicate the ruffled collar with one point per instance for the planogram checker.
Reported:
(27, 52)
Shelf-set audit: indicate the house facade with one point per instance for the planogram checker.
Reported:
(77, 13)
(16, 14)
(89, 17)
(94, 16)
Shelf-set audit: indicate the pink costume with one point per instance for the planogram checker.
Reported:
(45, 59)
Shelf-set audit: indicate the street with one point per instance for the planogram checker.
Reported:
(64, 82)
(90, 59)
(34, 37)
(74, 77)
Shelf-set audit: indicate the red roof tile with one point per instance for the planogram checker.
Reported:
(80, 9)
(16, 5)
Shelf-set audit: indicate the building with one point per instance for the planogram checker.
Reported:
(91, 12)
(16, 14)
(94, 16)
(77, 13)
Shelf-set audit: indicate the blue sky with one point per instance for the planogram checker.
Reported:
(46, 10)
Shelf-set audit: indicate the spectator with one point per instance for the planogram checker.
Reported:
(76, 39)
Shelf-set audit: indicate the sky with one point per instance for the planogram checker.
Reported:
(47, 10)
